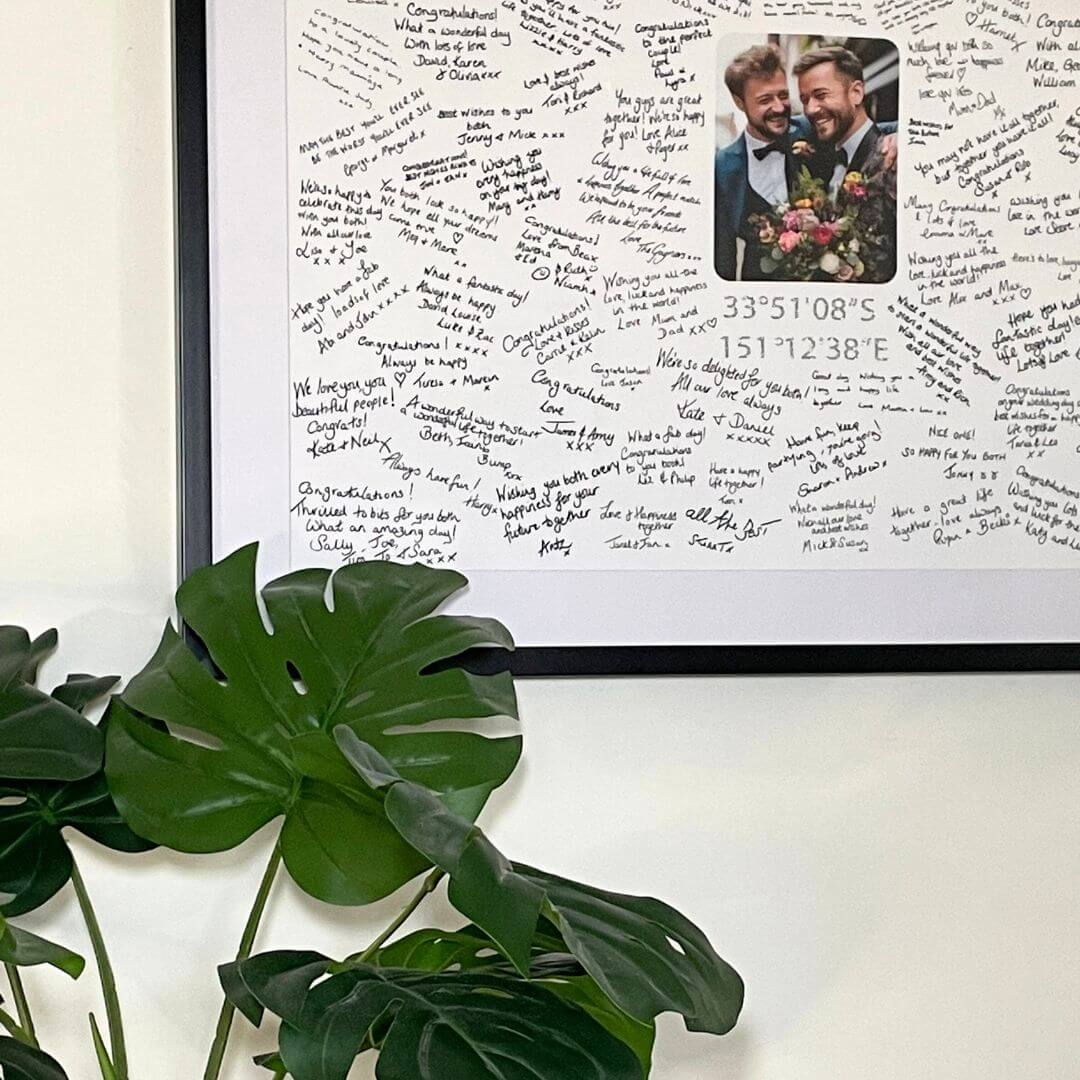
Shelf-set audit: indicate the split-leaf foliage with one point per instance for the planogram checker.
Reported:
(249, 739)
(340, 704)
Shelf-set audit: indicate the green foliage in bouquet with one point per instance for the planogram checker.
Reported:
(312, 701)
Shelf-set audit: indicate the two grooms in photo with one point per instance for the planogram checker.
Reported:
(807, 190)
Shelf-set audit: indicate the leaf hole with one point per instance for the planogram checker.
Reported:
(297, 679)
(676, 946)
(483, 954)
(264, 614)
(202, 654)
(493, 726)
(13, 800)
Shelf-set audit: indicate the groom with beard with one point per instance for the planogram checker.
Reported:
(754, 173)
(833, 92)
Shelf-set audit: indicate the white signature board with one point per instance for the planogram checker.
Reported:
(467, 312)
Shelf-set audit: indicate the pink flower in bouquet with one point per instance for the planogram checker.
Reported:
(845, 273)
(824, 233)
(791, 221)
(789, 241)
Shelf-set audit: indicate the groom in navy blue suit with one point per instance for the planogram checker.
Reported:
(754, 173)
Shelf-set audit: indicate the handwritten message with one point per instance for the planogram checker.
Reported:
(510, 347)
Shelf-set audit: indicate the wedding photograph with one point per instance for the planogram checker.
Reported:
(807, 147)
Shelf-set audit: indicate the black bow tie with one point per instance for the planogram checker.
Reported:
(762, 152)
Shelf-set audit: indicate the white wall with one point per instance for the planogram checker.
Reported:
(892, 863)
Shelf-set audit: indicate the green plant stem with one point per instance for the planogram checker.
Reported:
(430, 883)
(22, 1006)
(105, 975)
(7, 1021)
(104, 1063)
(247, 942)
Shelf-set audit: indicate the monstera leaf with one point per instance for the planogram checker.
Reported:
(550, 966)
(42, 737)
(21, 1062)
(271, 1062)
(23, 949)
(470, 949)
(250, 740)
(35, 861)
(430, 1026)
(644, 955)
(584, 992)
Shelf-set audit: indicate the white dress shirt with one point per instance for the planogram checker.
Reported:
(850, 144)
(768, 177)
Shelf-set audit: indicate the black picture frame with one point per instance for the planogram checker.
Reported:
(195, 466)
(192, 175)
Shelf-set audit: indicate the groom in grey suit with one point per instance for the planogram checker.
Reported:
(833, 96)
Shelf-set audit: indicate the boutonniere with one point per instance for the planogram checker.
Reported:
(802, 148)
(855, 185)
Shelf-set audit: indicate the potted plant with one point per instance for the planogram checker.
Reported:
(312, 702)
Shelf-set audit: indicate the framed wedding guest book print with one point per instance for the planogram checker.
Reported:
(701, 335)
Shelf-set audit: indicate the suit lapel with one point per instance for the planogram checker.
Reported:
(869, 141)
(820, 163)
(740, 183)
(792, 164)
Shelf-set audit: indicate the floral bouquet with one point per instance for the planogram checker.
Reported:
(814, 238)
